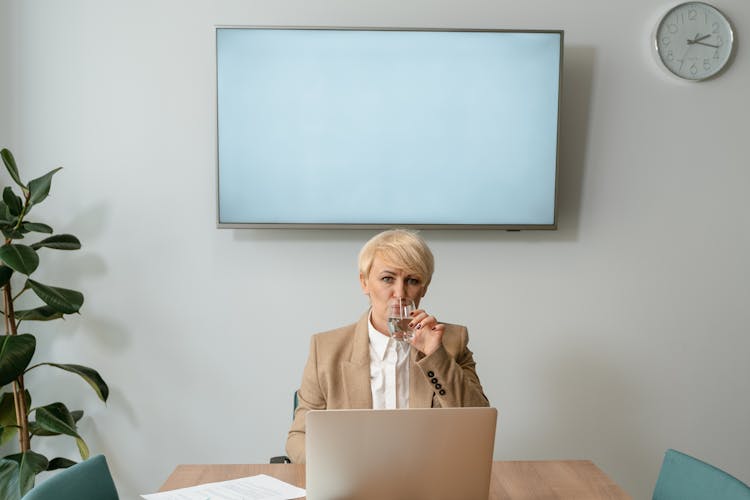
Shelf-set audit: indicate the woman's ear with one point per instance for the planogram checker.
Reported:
(363, 284)
(424, 291)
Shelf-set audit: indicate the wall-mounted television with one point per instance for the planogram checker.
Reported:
(382, 127)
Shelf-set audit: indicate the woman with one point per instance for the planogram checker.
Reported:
(361, 366)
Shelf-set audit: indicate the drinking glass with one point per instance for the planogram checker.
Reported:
(399, 317)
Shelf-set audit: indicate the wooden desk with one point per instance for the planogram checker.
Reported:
(558, 479)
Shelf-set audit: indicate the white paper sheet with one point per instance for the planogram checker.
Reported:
(260, 487)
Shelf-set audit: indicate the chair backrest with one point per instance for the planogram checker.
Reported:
(87, 480)
(283, 459)
(683, 477)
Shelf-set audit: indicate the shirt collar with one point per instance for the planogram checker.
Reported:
(378, 341)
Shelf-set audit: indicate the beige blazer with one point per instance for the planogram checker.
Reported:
(337, 375)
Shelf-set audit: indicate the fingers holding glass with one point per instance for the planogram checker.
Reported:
(429, 336)
(420, 319)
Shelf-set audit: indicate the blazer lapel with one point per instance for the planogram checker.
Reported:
(356, 371)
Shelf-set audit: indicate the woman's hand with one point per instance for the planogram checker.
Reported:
(428, 333)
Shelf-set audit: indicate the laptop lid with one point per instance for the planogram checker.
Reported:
(416, 453)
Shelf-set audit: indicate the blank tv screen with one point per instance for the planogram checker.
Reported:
(381, 127)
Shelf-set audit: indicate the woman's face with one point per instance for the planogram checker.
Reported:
(385, 281)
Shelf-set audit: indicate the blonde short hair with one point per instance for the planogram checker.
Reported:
(401, 247)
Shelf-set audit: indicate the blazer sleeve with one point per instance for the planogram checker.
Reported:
(310, 396)
(451, 371)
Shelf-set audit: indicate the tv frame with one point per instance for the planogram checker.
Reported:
(334, 225)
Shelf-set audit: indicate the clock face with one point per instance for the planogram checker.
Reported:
(694, 40)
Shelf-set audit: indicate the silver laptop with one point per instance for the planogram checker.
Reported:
(410, 454)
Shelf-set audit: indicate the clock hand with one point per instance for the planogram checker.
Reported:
(707, 44)
(697, 38)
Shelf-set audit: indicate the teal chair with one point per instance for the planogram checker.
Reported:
(683, 477)
(87, 480)
(283, 459)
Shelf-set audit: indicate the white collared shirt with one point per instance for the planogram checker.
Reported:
(389, 370)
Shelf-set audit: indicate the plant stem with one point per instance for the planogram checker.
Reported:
(19, 393)
(26, 196)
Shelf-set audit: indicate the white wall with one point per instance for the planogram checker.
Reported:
(621, 334)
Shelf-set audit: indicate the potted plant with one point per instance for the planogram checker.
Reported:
(18, 417)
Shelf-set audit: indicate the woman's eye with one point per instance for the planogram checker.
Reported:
(412, 281)
(387, 279)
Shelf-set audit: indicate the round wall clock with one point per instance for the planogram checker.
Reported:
(694, 40)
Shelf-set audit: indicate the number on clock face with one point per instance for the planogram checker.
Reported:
(694, 40)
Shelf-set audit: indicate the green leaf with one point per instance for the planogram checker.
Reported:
(60, 299)
(7, 433)
(41, 313)
(16, 352)
(12, 234)
(29, 465)
(39, 187)
(13, 201)
(8, 422)
(59, 242)
(8, 408)
(60, 463)
(55, 417)
(9, 487)
(5, 216)
(36, 430)
(89, 375)
(10, 164)
(32, 463)
(83, 448)
(37, 227)
(5, 274)
(21, 258)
